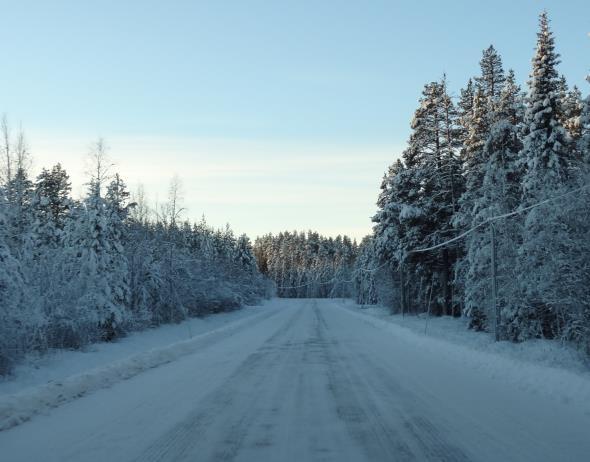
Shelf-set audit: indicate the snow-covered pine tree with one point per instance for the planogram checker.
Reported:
(51, 204)
(424, 199)
(464, 113)
(492, 76)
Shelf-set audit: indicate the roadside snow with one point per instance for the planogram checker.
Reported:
(54, 379)
(541, 367)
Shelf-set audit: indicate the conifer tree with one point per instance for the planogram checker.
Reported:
(549, 172)
(492, 76)
(19, 216)
(548, 162)
(572, 106)
(426, 190)
(584, 140)
(51, 205)
(14, 308)
(499, 194)
(116, 211)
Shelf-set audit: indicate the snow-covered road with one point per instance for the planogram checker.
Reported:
(306, 381)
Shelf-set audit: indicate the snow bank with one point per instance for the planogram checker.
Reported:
(115, 365)
(541, 367)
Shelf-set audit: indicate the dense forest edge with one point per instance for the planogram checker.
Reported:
(74, 272)
(494, 164)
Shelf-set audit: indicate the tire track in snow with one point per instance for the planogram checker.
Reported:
(239, 395)
(365, 397)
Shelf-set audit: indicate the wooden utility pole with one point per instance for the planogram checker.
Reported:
(402, 288)
(494, 284)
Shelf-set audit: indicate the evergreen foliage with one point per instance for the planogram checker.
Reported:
(72, 273)
(522, 156)
(307, 265)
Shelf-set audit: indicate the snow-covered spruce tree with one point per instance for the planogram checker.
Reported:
(584, 140)
(548, 163)
(499, 194)
(17, 326)
(398, 223)
(144, 277)
(98, 285)
(470, 272)
(476, 120)
(116, 210)
(19, 192)
(570, 109)
(51, 210)
(94, 264)
(550, 167)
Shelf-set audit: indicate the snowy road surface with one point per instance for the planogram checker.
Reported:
(306, 381)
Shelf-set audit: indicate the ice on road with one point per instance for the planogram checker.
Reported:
(307, 381)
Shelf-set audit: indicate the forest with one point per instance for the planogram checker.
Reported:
(307, 265)
(496, 163)
(485, 215)
(74, 272)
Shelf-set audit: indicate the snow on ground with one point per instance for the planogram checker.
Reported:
(543, 367)
(313, 380)
(48, 381)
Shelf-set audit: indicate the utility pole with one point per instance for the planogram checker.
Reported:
(494, 283)
(402, 289)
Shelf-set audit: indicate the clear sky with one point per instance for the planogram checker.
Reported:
(275, 114)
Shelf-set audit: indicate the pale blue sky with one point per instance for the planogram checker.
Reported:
(276, 115)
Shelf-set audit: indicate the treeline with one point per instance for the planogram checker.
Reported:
(79, 271)
(307, 265)
(494, 151)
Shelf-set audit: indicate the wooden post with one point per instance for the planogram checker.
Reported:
(402, 288)
(494, 284)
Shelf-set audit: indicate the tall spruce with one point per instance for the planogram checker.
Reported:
(548, 162)
(499, 194)
(549, 172)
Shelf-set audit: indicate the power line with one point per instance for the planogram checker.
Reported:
(496, 218)
(442, 244)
